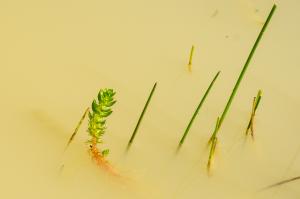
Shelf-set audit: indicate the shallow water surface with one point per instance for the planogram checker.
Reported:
(56, 55)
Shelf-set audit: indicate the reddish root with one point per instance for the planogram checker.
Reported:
(99, 159)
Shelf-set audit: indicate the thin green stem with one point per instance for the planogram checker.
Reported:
(258, 98)
(281, 183)
(250, 124)
(212, 152)
(216, 128)
(255, 104)
(141, 116)
(197, 109)
(244, 69)
(191, 58)
(213, 146)
(77, 128)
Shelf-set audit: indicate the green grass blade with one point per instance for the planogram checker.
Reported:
(281, 183)
(256, 102)
(191, 58)
(211, 152)
(213, 142)
(77, 128)
(258, 98)
(197, 109)
(142, 115)
(250, 123)
(244, 69)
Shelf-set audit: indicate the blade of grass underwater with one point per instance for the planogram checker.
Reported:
(250, 124)
(281, 183)
(213, 147)
(191, 58)
(256, 102)
(77, 128)
(141, 116)
(197, 109)
(258, 98)
(244, 69)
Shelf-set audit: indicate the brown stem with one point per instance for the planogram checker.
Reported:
(100, 159)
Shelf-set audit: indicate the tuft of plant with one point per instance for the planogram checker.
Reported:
(101, 109)
(256, 101)
(236, 86)
(191, 58)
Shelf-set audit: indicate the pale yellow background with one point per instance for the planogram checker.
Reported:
(56, 54)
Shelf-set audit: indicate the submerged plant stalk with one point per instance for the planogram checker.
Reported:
(282, 183)
(141, 116)
(197, 109)
(255, 104)
(77, 128)
(191, 58)
(213, 146)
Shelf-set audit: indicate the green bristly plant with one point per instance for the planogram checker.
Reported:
(101, 109)
(191, 58)
(141, 116)
(256, 101)
(97, 118)
(233, 93)
(197, 109)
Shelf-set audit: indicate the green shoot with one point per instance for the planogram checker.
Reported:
(77, 128)
(197, 109)
(141, 116)
(255, 104)
(191, 59)
(242, 73)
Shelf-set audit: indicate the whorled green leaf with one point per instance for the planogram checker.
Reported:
(95, 107)
(109, 104)
(105, 152)
(105, 114)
